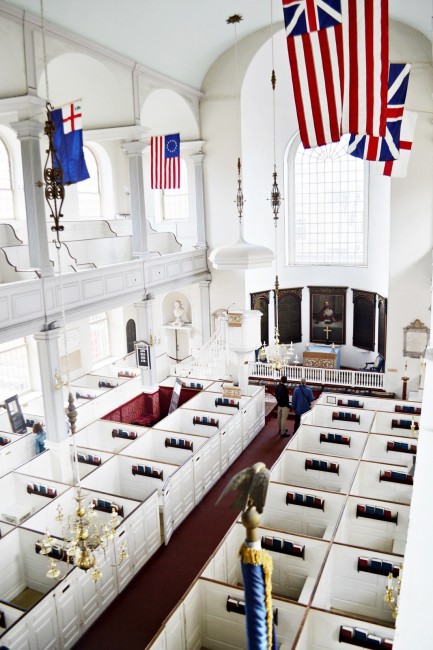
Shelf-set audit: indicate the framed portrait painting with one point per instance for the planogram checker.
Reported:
(328, 315)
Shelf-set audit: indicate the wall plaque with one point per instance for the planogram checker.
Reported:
(416, 338)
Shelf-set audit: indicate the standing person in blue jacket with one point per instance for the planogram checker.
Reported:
(40, 437)
(282, 397)
(301, 401)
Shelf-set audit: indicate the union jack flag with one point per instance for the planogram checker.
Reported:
(305, 16)
(388, 147)
(398, 168)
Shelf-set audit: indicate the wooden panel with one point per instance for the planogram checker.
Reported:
(364, 319)
(289, 315)
(382, 305)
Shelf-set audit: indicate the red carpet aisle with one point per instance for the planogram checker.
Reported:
(136, 615)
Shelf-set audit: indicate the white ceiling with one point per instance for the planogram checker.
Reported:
(182, 38)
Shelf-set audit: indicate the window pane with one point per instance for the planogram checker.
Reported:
(328, 206)
(89, 192)
(6, 196)
(99, 337)
(175, 202)
(14, 369)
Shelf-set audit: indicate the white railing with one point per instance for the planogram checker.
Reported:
(335, 377)
(212, 355)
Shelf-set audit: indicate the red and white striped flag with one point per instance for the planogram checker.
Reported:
(338, 54)
(165, 162)
(366, 63)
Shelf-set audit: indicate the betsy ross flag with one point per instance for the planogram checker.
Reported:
(68, 142)
(398, 168)
(338, 54)
(387, 147)
(165, 162)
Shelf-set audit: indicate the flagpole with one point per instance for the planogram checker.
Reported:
(256, 566)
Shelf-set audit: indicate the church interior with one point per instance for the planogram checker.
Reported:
(146, 326)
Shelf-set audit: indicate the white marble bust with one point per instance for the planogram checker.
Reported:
(178, 312)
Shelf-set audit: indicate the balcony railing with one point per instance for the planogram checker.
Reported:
(323, 376)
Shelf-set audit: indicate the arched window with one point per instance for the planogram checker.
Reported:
(14, 368)
(99, 337)
(89, 191)
(131, 335)
(327, 212)
(6, 194)
(175, 202)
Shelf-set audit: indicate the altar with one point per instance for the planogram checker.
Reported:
(322, 356)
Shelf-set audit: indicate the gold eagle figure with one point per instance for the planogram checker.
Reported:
(251, 484)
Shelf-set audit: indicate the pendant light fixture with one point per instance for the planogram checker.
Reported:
(241, 255)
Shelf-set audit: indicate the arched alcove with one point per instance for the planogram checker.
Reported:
(165, 111)
(73, 76)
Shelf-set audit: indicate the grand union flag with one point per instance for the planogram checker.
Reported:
(338, 54)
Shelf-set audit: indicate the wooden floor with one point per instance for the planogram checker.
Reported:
(136, 615)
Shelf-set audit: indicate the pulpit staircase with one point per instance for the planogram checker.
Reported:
(211, 361)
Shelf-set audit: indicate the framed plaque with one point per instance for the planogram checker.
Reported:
(142, 351)
(416, 338)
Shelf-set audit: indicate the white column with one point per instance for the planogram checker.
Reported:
(54, 406)
(28, 132)
(205, 311)
(134, 150)
(197, 159)
(416, 597)
(144, 330)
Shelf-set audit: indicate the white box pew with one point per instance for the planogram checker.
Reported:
(321, 631)
(201, 620)
(19, 501)
(229, 430)
(365, 402)
(122, 371)
(182, 421)
(231, 425)
(354, 581)
(291, 569)
(204, 384)
(371, 481)
(68, 608)
(46, 465)
(175, 488)
(20, 450)
(322, 416)
(305, 469)
(24, 576)
(312, 439)
(178, 449)
(255, 415)
(308, 512)
(138, 525)
(209, 401)
(383, 423)
(23, 568)
(390, 449)
(93, 382)
(382, 526)
(99, 435)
